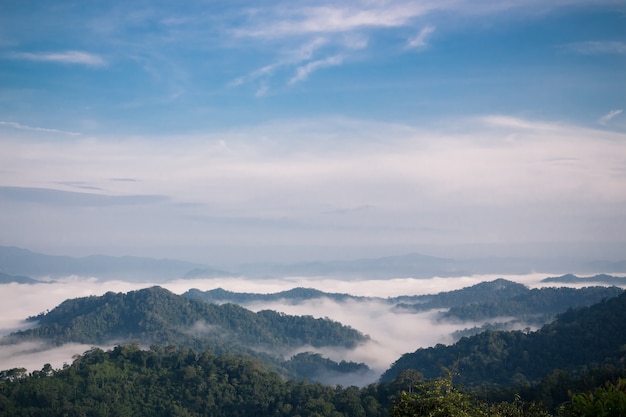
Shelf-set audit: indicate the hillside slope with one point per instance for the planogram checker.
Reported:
(155, 316)
(579, 339)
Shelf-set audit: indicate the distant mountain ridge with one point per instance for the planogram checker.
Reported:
(22, 262)
(16, 261)
(294, 295)
(19, 279)
(596, 279)
(423, 266)
(498, 304)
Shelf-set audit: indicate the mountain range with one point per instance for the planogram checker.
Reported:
(578, 340)
(155, 316)
(508, 302)
(24, 263)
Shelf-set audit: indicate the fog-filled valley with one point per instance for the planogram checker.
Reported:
(207, 339)
(392, 331)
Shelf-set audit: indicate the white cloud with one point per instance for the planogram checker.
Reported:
(303, 72)
(290, 57)
(420, 40)
(330, 18)
(610, 115)
(598, 47)
(484, 180)
(262, 91)
(15, 125)
(67, 57)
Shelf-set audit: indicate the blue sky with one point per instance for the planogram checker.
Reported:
(234, 130)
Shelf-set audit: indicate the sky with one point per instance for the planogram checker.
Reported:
(226, 131)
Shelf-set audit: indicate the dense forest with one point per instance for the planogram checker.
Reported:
(580, 339)
(500, 304)
(170, 381)
(157, 316)
(205, 360)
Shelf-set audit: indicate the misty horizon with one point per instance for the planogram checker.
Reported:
(392, 332)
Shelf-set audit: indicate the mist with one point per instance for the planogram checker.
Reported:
(392, 333)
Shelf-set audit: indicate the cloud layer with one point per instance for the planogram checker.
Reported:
(492, 179)
(392, 333)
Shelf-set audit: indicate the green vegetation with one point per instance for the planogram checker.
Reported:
(171, 381)
(608, 400)
(580, 339)
(157, 316)
(127, 381)
(220, 295)
(205, 361)
(497, 299)
(542, 304)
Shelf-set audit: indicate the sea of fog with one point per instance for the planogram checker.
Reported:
(392, 333)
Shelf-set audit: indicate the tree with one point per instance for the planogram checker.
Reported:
(436, 398)
(608, 401)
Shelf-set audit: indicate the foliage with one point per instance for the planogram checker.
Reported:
(170, 381)
(579, 340)
(314, 366)
(436, 398)
(157, 316)
(608, 400)
(540, 304)
(440, 398)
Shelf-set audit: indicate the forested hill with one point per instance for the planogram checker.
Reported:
(579, 339)
(166, 382)
(294, 295)
(596, 279)
(157, 316)
(496, 299)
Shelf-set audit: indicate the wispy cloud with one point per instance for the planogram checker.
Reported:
(610, 115)
(15, 125)
(67, 57)
(598, 47)
(420, 41)
(262, 91)
(51, 196)
(304, 71)
(333, 19)
(290, 57)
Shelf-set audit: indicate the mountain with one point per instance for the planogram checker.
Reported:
(157, 316)
(596, 279)
(422, 266)
(161, 382)
(7, 279)
(502, 298)
(496, 290)
(409, 265)
(293, 296)
(579, 339)
(16, 261)
(508, 301)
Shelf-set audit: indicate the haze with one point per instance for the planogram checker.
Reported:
(235, 131)
(392, 333)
